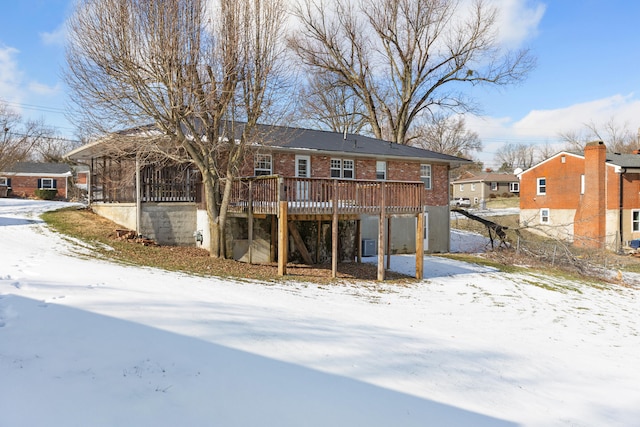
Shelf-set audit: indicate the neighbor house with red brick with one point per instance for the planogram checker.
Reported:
(24, 178)
(313, 172)
(590, 198)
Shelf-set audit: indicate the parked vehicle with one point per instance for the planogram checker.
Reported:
(461, 202)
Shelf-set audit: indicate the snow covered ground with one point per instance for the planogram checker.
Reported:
(85, 342)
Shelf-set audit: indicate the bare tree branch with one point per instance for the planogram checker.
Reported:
(189, 68)
(402, 58)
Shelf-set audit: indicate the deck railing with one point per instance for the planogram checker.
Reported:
(321, 195)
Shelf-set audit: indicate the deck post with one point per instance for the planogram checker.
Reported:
(334, 232)
(381, 232)
(283, 237)
(420, 246)
(138, 198)
(388, 243)
(359, 240)
(250, 221)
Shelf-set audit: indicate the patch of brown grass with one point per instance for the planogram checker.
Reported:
(87, 226)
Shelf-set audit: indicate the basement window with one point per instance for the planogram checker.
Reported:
(544, 216)
(635, 220)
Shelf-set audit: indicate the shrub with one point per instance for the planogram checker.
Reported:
(46, 194)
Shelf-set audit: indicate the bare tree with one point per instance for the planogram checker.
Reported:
(511, 156)
(332, 105)
(448, 135)
(19, 139)
(191, 68)
(400, 58)
(618, 137)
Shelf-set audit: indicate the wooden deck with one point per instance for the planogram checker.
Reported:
(322, 196)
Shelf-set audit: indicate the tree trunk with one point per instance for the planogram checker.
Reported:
(208, 181)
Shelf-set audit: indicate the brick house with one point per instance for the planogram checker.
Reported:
(312, 171)
(484, 186)
(590, 198)
(24, 178)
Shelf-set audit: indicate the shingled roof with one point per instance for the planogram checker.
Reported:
(310, 140)
(34, 168)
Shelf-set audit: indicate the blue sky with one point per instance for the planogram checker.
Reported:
(587, 54)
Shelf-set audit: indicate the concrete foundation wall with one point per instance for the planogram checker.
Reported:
(123, 214)
(166, 223)
(560, 225)
(169, 223)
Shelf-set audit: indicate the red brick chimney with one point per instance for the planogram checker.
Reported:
(589, 226)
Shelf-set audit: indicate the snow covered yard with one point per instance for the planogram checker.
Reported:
(87, 342)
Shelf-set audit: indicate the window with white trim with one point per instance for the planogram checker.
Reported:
(461, 188)
(473, 187)
(425, 175)
(47, 183)
(635, 220)
(381, 170)
(494, 186)
(3, 181)
(514, 187)
(544, 216)
(542, 186)
(582, 186)
(262, 165)
(342, 168)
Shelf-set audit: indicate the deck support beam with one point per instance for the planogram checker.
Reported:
(381, 244)
(283, 238)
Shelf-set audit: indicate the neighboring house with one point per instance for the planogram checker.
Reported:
(484, 186)
(590, 198)
(313, 171)
(24, 178)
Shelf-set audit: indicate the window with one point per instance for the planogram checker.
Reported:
(461, 187)
(47, 183)
(582, 184)
(473, 187)
(542, 186)
(342, 168)
(381, 170)
(3, 181)
(494, 186)
(425, 176)
(544, 216)
(262, 165)
(514, 187)
(348, 167)
(635, 221)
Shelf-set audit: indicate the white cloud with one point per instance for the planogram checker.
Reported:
(544, 126)
(43, 89)
(10, 74)
(56, 37)
(518, 21)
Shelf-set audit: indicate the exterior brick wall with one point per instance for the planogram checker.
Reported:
(25, 186)
(283, 164)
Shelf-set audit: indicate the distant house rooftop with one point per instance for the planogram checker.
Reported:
(488, 177)
(27, 168)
